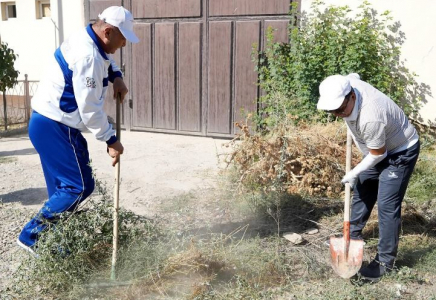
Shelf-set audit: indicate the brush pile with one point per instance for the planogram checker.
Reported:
(304, 159)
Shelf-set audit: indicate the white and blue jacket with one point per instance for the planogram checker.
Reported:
(75, 87)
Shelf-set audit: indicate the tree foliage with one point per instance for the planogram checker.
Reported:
(327, 41)
(8, 74)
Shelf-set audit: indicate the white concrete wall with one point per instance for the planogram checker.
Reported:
(418, 22)
(35, 40)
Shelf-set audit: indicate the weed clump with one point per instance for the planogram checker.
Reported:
(77, 249)
(308, 159)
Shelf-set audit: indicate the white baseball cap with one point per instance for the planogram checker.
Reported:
(332, 91)
(121, 18)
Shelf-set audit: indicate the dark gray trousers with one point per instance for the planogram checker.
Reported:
(386, 182)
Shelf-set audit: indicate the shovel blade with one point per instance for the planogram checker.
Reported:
(346, 261)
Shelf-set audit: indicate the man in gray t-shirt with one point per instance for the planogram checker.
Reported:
(390, 145)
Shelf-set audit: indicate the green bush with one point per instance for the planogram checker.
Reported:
(327, 42)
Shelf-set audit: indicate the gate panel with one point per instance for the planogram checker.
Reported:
(192, 70)
(141, 78)
(246, 90)
(165, 77)
(190, 77)
(97, 6)
(280, 30)
(220, 62)
(166, 8)
(248, 7)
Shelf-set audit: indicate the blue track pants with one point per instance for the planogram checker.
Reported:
(64, 156)
(386, 183)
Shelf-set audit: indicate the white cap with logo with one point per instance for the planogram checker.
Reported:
(121, 18)
(332, 91)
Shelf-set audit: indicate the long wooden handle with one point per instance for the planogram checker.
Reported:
(347, 189)
(118, 117)
(116, 191)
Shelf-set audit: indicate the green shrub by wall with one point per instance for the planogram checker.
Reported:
(333, 40)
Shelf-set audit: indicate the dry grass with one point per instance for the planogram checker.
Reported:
(183, 274)
(253, 261)
(308, 159)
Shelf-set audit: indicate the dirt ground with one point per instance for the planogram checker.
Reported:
(154, 168)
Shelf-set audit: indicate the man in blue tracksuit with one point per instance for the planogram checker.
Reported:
(70, 100)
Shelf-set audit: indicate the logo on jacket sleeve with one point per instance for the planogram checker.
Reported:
(90, 82)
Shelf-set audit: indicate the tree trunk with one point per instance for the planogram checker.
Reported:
(5, 113)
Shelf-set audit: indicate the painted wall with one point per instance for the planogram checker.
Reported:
(418, 22)
(35, 40)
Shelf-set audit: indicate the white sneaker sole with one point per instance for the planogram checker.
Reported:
(27, 248)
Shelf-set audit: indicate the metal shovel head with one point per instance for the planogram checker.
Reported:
(346, 261)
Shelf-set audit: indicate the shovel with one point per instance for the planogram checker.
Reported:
(116, 190)
(346, 255)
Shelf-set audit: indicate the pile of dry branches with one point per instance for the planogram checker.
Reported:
(308, 159)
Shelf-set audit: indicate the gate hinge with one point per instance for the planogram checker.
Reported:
(130, 103)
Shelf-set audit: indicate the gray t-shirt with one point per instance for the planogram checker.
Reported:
(380, 122)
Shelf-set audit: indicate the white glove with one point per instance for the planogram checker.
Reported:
(368, 162)
(351, 178)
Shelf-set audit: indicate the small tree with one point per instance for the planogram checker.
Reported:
(329, 41)
(8, 74)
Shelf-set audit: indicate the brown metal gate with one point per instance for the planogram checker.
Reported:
(191, 72)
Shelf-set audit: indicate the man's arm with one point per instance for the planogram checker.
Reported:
(120, 88)
(116, 77)
(376, 152)
(374, 136)
(114, 151)
(88, 86)
(374, 157)
(88, 75)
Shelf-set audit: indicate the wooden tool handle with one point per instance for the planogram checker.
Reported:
(116, 190)
(347, 188)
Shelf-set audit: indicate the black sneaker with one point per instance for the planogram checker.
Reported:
(375, 270)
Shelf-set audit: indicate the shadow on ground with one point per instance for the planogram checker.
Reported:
(295, 214)
(15, 132)
(30, 196)
(28, 151)
(298, 214)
